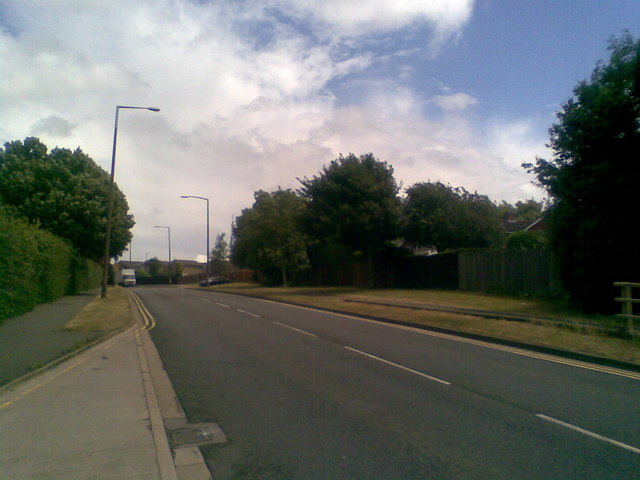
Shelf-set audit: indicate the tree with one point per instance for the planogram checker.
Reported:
(220, 256)
(353, 202)
(527, 211)
(65, 193)
(268, 236)
(524, 240)
(448, 218)
(155, 268)
(592, 180)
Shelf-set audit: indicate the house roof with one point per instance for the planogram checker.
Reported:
(512, 226)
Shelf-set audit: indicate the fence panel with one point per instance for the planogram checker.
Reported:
(509, 271)
(435, 271)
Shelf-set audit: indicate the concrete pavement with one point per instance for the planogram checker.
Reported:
(36, 338)
(99, 414)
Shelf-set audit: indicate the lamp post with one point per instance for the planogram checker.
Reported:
(169, 234)
(206, 266)
(107, 237)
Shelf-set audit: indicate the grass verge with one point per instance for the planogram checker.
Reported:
(103, 315)
(581, 339)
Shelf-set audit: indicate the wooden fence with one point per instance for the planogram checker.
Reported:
(628, 302)
(506, 271)
(509, 271)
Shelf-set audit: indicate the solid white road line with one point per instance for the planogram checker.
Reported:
(590, 434)
(494, 346)
(295, 329)
(435, 379)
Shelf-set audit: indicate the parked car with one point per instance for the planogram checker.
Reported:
(213, 281)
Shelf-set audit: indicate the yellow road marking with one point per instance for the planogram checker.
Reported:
(149, 321)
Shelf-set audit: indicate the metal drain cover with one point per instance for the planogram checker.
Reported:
(196, 434)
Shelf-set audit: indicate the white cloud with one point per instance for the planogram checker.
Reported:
(515, 142)
(363, 17)
(239, 112)
(455, 102)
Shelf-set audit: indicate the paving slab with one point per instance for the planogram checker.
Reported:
(86, 418)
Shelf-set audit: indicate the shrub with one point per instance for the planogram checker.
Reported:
(37, 267)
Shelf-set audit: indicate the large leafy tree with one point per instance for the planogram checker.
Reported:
(593, 177)
(220, 256)
(354, 203)
(64, 192)
(268, 236)
(448, 217)
(527, 211)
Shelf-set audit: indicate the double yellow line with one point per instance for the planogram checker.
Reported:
(149, 321)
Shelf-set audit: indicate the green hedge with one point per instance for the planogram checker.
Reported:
(37, 267)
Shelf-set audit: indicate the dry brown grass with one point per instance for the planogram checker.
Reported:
(103, 316)
(585, 341)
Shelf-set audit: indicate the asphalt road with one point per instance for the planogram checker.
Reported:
(303, 394)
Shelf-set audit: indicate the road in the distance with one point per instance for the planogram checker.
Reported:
(303, 394)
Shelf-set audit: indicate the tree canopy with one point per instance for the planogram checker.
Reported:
(268, 235)
(220, 256)
(592, 180)
(449, 217)
(354, 201)
(65, 193)
(527, 211)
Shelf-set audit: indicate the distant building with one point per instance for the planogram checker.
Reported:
(190, 267)
(510, 225)
(192, 270)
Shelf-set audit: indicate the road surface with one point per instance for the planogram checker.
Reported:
(303, 394)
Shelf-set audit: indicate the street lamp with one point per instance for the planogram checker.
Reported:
(206, 267)
(169, 234)
(107, 237)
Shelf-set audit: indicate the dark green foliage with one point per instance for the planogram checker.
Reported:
(528, 211)
(353, 202)
(220, 256)
(85, 274)
(155, 267)
(268, 237)
(592, 180)
(524, 241)
(37, 267)
(65, 193)
(449, 218)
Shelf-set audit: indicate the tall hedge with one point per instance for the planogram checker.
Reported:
(37, 267)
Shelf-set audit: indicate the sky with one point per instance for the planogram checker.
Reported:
(254, 95)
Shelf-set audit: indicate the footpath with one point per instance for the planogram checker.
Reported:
(97, 412)
(74, 407)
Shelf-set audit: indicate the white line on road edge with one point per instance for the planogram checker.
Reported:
(296, 329)
(590, 434)
(398, 366)
(249, 313)
(494, 346)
